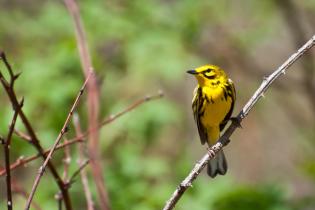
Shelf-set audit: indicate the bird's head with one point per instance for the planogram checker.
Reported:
(208, 75)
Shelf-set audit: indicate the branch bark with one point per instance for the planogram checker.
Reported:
(6, 148)
(224, 139)
(93, 96)
(22, 161)
(79, 138)
(83, 174)
(62, 132)
(9, 88)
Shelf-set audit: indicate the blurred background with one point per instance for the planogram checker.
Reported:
(142, 46)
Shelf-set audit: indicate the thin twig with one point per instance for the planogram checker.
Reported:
(78, 171)
(78, 139)
(62, 132)
(22, 135)
(9, 88)
(131, 107)
(84, 178)
(224, 140)
(6, 148)
(9, 68)
(22, 161)
(93, 96)
(18, 189)
(70, 181)
(66, 161)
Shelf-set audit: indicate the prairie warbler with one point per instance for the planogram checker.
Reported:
(212, 105)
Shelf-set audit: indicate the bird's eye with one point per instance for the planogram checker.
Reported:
(208, 70)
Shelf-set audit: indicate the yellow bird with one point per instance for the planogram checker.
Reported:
(212, 105)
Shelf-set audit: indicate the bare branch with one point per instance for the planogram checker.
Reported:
(21, 161)
(66, 161)
(22, 135)
(224, 140)
(62, 132)
(9, 68)
(18, 189)
(79, 138)
(9, 88)
(131, 107)
(78, 171)
(93, 95)
(84, 179)
(6, 148)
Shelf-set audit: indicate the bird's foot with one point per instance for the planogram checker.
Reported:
(210, 152)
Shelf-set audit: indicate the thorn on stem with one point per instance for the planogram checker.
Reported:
(16, 76)
(236, 121)
(66, 129)
(226, 142)
(22, 103)
(265, 78)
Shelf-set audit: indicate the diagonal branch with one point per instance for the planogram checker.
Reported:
(131, 107)
(78, 171)
(22, 161)
(62, 132)
(79, 138)
(9, 88)
(22, 135)
(18, 189)
(224, 140)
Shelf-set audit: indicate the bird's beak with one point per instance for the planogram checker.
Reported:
(192, 72)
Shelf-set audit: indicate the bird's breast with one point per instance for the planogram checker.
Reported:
(216, 105)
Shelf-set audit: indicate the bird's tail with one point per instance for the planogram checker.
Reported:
(217, 165)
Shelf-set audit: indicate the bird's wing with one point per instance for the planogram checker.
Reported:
(231, 93)
(198, 111)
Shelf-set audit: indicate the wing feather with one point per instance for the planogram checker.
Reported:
(231, 93)
(198, 110)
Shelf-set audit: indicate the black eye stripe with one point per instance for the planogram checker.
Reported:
(206, 71)
(209, 77)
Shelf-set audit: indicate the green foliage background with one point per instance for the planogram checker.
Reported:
(139, 47)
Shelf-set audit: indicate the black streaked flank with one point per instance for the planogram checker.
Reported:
(225, 93)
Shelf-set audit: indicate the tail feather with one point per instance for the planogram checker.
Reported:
(218, 165)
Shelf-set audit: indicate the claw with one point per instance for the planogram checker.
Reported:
(211, 152)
